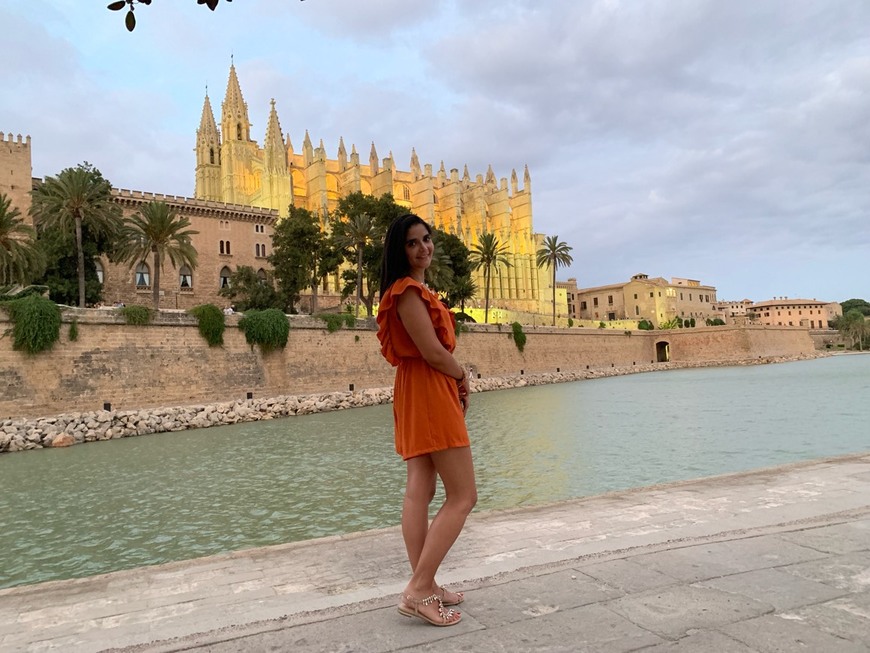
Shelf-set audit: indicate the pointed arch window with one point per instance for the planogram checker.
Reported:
(211, 155)
(143, 275)
(100, 273)
(406, 193)
(222, 247)
(239, 131)
(261, 275)
(257, 250)
(185, 278)
(225, 277)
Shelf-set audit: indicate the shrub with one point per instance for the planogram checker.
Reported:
(137, 315)
(645, 325)
(519, 336)
(334, 321)
(570, 322)
(35, 323)
(269, 329)
(601, 325)
(74, 330)
(211, 322)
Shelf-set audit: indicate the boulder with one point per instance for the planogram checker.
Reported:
(62, 440)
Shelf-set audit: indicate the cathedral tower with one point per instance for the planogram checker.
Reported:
(208, 155)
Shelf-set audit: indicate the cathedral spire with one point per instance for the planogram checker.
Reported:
(527, 180)
(234, 111)
(208, 155)
(465, 175)
(490, 175)
(514, 182)
(415, 164)
(274, 153)
(342, 154)
(373, 160)
(207, 126)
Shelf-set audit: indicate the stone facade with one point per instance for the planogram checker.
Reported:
(168, 363)
(656, 300)
(782, 311)
(232, 167)
(16, 172)
(229, 236)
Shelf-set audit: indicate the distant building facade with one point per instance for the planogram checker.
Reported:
(783, 311)
(657, 300)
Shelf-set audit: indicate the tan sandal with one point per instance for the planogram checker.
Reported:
(443, 591)
(410, 607)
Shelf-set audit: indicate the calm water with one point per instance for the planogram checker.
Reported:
(141, 501)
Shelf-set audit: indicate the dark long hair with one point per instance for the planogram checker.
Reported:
(395, 265)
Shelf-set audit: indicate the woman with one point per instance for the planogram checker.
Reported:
(430, 399)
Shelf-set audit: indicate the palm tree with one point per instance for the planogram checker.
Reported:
(75, 197)
(556, 254)
(20, 259)
(157, 229)
(440, 273)
(488, 254)
(463, 289)
(359, 231)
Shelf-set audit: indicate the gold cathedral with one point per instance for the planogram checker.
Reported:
(231, 167)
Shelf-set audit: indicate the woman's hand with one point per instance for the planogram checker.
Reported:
(464, 389)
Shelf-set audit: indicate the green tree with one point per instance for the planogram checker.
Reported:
(159, 231)
(359, 232)
(76, 198)
(451, 265)
(555, 254)
(21, 260)
(382, 211)
(463, 290)
(854, 327)
(247, 291)
(301, 256)
(859, 304)
(488, 254)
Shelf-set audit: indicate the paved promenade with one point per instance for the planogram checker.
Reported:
(772, 560)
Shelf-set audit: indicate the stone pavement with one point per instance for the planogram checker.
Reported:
(771, 560)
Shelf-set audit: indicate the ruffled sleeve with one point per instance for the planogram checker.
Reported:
(395, 341)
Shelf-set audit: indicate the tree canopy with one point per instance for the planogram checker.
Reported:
(860, 305)
(75, 202)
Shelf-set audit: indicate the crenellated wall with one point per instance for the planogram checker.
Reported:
(168, 363)
(16, 171)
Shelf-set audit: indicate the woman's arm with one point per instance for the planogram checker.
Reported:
(418, 324)
(414, 315)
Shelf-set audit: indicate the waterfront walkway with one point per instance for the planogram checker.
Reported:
(771, 560)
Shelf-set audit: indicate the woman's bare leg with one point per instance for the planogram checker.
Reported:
(419, 492)
(456, 469)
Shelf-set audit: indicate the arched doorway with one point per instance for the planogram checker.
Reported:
(663, 351)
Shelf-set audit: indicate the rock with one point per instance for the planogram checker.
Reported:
(62, 440)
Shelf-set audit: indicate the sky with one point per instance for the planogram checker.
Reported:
(727, 142)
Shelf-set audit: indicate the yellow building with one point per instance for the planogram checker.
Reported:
(656, 300)
(231, 167)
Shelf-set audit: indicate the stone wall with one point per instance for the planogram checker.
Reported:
(169, 364)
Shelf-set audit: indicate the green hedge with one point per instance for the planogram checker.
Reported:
(136, 315)
(211, 322)
(334, 321)
(269, 328)
(519, 336)
(35, 323)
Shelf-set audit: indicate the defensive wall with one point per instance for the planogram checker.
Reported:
(167, 363)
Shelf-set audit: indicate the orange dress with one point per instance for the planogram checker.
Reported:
(426, 410)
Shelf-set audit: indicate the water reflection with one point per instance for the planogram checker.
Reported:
(125, 503)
